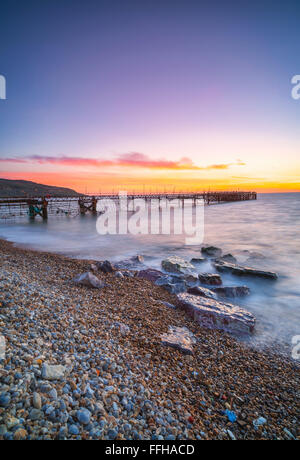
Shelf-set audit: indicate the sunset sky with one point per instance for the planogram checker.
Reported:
(140, 95)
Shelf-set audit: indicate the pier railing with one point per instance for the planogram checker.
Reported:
(74, 205)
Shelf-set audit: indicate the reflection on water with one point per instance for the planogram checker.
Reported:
(269, 226)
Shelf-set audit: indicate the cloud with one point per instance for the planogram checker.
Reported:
(131, 159)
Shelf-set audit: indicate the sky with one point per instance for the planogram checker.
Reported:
(150, 95)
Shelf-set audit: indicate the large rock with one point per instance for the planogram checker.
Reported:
(175, 264)
(227, 258)
(135, 262)
(213, 314)
(172, 284)
(150, 274)
(180, 338)
(210, 279)
(105, 267)
(211, 251)
(232, 291)
(198, 260)
(244, 271)
(202, 292)
(90, 280)
(53, 372)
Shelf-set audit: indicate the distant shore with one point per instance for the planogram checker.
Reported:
(115, 379)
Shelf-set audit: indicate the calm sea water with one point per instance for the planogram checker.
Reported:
(270, 226)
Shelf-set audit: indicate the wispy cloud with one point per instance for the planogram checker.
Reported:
(131, 159)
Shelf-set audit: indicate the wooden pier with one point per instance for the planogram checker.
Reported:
(70, 205)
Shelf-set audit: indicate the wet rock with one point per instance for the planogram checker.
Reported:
(119, 275)
(244, 271)
(53, 372)
(198, 260)
(175, 264)
(150, 274)
(135, 262)
(180, 338)
(231, 291)
(211, 251)
(210, 279)
(202, 292)
(174, 285)
(35, 414)
(228, 258)
(105, 267)
(190, 280)
(213, 314)
(90, 280)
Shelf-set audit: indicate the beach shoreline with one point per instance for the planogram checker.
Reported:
(119, 381)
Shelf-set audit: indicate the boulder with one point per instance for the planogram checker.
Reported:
(176, 265)
(214, 314)
(244, 271)
(210, 279)
(228, 258)
(211, 251)
(90, 280)
(150, 274)
(53, 372)
(198, 260)
(232, 291)
(180, 338)
(105, 267)
(190, 279)
(202, 292)
(172, 284)
(134, 262)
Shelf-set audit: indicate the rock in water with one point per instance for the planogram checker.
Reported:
(180, 338)
(176, 265)
(202, 292)
(150, 274)
(213, 314)
(231, 291)
(53, 372)
(90, 280)
(244, 271)
(228, 258)
(211, 251)
(210, 279)
(198, 260)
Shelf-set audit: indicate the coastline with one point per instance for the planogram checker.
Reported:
(125, 385)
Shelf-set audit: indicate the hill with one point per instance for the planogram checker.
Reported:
(24, 188)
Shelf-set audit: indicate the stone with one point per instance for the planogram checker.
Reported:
(20, 434)
(190, 279)
(37, 400)
(105, 267)
(167, 304)
(174, 285)
(35, 414)
(4, 399)
(210, 279)
(214, 314)
(228, 258)
(53, 372)
(73, 430)
(83, 416)
(180, 338)
(244, 271)
(198, 260)
(119, 274)
(10, 421)
(202, 292)
(231, 291)
(211, 251)
(150, 274)
(175, 264)
(90, 280)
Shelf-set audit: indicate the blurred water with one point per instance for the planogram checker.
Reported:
(269, 226)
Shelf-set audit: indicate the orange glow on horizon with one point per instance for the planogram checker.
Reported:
(107, 183)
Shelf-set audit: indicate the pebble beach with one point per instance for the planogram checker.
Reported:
(84, 363)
